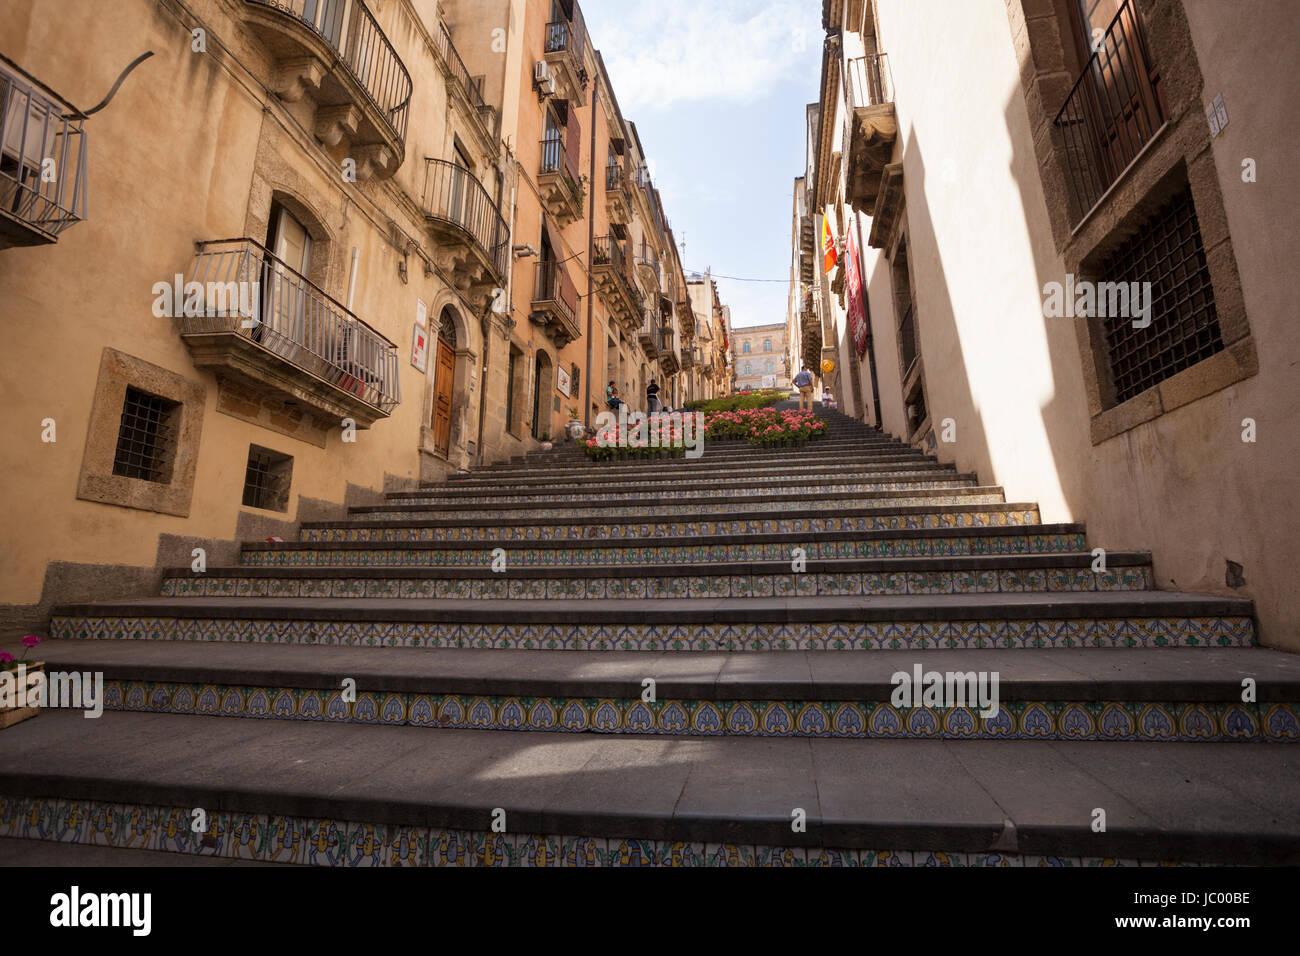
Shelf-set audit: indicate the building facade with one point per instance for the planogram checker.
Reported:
(1071, 284)
(335, 249)
(759, 357)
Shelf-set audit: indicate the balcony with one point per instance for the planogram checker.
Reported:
(263, 325)
(612, 272)
(669, 356)
(690, 355)
(555, 303)
(471, 87)
(686, 315)
(618, 195)
(650, 335)
(560, 181)
(873, 127)
(807, 249)
(1111, 114)
(564, 52)
(35, 127)
(335, 53)
(470, 235)
(647, 265)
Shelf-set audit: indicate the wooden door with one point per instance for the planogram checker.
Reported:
(443, 379)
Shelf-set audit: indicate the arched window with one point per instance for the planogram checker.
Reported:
(746, 348)
(767, 346)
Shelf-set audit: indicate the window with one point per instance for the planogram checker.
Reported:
(267, 479)
(575, 377)
(748, 368)
(146, 437)
(767, 345)
(767, 366)
(1166, 251)
(746, 348)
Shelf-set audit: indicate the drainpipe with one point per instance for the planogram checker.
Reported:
(591, 249)
(352, 276)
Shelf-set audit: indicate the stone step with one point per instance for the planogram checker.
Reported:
(807, 521)
(924, 494)
(650, 468)
(1126, 571)
(1161, 695)
(735, 487)
(717, 450)
(933, 542)
(966, 621)
(350, 794)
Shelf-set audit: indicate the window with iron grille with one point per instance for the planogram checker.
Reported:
(1166, 251)
(146, 437)
(267, 479)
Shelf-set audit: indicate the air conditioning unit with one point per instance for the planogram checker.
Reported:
(543, 79)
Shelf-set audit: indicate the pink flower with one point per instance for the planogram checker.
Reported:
(31, 640)
(6, 657)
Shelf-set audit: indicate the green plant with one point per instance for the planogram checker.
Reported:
(9, 663)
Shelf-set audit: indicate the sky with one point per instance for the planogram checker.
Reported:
(718, 91)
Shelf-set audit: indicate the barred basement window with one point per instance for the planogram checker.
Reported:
(267, 480)
(1167, 252)
(146, 437)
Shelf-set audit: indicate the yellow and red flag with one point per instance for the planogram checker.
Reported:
(829, 255)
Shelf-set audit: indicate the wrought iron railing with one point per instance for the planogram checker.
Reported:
(453, 195)
(1112, 112)
(866, 81)
(556, 159)
(552, 284)
(43, 155)
(646, 256)
(611, 253)
(473, 87)
(615, 178)
(561, 38)
(352, 30)
(249, 291)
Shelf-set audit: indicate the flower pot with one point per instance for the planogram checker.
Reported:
(10, 712)
(546, 446)
(575, 429)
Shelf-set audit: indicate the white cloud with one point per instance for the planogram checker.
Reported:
(675, 51)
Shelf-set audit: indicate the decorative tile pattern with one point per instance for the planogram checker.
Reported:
(273, 838)
(697, 586)
(1044, 720)
(714, 636)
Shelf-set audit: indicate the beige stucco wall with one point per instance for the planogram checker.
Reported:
(1183, 485)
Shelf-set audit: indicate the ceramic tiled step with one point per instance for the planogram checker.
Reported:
(1094, 694)
(971, 575)
(935, 542)
(921, 494)
(658, 468)
(728, 450)
(353, 794)
(735, 487)
(968, 621)
(603, 527)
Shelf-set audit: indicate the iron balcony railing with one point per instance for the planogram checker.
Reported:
(472, 87)
(351, 29)
(556, 159)
(611, 253)
(552, 284)
(646, 256)
(560, 39)
(1112, 112)
(615, 178)
(452, 195)
(37, 136)
(249, 291)
(866, 81)
(907, 340)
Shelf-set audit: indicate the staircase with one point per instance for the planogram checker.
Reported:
(672, 663)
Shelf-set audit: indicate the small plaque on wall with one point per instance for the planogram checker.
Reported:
(420, 349)
(562, 381)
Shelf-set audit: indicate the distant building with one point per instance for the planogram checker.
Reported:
(759, 357)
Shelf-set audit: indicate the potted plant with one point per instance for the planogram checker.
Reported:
(17, 677)
(546, 441)
(575, 429)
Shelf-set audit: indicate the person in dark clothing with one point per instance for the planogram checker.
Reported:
(611, 397)
(652, 397)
